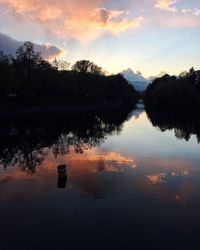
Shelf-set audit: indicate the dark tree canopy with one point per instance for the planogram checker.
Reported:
(27, 53)
(85, 66)
(182, 91)
(60, 65)
(32, 81)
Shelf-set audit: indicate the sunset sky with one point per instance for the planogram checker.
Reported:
(146, 35)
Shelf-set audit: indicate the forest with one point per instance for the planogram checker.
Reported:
(28, 80)
(175, 91)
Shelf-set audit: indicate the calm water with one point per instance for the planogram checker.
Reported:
(129, 185)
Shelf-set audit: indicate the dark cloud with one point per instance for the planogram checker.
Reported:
(9, 46)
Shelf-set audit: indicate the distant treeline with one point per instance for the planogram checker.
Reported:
(181, 91)
(28, 79)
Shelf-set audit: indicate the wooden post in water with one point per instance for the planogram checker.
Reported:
(62, 176)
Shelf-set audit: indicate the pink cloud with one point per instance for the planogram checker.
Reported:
(71, 18)
(178, 20)
(90, 19)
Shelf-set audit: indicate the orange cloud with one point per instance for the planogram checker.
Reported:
(72, 18)
(166, 5)
(89, 19)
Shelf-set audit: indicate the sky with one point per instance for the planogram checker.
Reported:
(145, 35)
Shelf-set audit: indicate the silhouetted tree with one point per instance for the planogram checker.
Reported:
(85, 66)
(60, 65)
(182, 91)
(36, 82)
(6, 74)
(27, 57)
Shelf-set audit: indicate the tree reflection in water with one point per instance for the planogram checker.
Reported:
(184, 122)
(26, 140)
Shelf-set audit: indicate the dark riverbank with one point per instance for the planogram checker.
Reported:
(73, 109)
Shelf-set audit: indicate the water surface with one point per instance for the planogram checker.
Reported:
(129, 185)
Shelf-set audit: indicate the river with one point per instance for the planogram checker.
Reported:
(132, 182)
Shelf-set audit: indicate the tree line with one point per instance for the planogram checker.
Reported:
(28, 79)
(176, 91)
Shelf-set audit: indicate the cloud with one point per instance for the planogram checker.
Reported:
(195, 12)
(84, 20)
(132, 76)
(166, 5)
(139, 82)
(179, 21)
(80, 19)
(175, 15)
(114, 20)
(9, 46)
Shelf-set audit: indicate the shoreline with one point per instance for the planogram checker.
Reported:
(56, 109)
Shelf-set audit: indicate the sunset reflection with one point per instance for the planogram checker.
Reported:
(121, 180)
(87, 174)
(162, 177)
(157, 178)
(100, 161)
